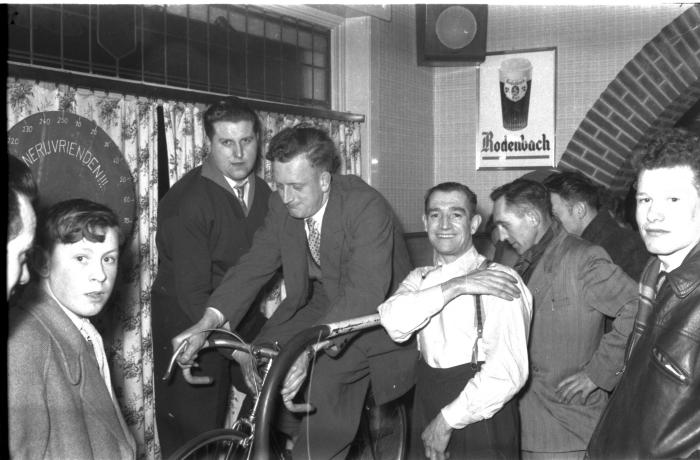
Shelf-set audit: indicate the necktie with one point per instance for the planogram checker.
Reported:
(95, 340)
(314, 241)
(241, 197)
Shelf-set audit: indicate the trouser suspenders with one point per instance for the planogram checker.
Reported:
(479, 321)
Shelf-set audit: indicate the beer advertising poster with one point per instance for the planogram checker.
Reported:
(516, 110)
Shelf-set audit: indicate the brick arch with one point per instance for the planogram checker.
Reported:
(652, 91)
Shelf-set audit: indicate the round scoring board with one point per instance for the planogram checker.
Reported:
(71, 157)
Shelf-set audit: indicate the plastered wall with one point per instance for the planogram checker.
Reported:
(423, 120)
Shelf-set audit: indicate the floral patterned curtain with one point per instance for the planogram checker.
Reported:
(131, 122)
(185, 138)
(188, 144)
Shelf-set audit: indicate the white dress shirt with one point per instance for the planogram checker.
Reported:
(446, 335)
(317, 218)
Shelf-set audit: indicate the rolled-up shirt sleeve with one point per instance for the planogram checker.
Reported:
(410, 309)
(505, 367)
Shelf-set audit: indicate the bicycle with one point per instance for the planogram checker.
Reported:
(249, 437)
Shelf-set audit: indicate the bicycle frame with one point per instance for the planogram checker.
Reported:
(270, 393)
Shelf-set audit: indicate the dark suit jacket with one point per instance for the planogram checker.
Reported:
(363, 259)
(59, 406)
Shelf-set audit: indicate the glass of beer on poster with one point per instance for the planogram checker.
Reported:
(515, 77)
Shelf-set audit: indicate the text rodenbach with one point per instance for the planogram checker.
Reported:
(519, 145)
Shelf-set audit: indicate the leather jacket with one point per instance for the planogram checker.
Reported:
(655, 409)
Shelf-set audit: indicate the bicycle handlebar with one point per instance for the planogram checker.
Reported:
(285, 359)
(236, 345)
(315, 337)
(334, 329)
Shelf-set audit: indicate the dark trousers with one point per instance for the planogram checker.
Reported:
(336, 387)
(497, 437)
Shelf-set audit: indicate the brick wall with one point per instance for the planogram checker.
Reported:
(652, 91)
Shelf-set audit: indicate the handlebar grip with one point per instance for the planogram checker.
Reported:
(186, 372)
(196, 379)
(306, 408)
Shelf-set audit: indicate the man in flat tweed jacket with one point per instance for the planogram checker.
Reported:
(575, 286)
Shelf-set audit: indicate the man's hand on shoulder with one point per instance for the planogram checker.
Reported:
(483, 282)
(436, 437)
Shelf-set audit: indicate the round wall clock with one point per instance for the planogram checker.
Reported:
(71, 157)
(456, 27)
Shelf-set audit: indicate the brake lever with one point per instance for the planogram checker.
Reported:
(173, 359)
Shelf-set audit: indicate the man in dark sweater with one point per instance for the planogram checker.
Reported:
(575, 202)
(206, 222)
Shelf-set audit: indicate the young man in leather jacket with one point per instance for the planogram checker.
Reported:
(655, 410)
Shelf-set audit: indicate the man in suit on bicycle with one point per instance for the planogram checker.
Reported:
(342, 253)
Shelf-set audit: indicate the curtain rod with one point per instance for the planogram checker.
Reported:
(166, 92)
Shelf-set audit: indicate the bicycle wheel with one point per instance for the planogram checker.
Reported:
(221, 444)
(382, 433)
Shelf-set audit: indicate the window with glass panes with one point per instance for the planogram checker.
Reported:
(231, 49)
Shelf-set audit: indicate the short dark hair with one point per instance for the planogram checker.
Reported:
(453, 187)
(672, 147)
(19, 182)
(303, 139)
(573, 186)
(70, 221)
(525, 195)
(233, 110)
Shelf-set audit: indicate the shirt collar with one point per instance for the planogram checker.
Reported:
(535, 252)
(212, 173)
(234, 183)
(78, 321)
(464, 263)
(318, 217)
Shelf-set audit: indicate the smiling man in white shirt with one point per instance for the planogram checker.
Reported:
(473, 358)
